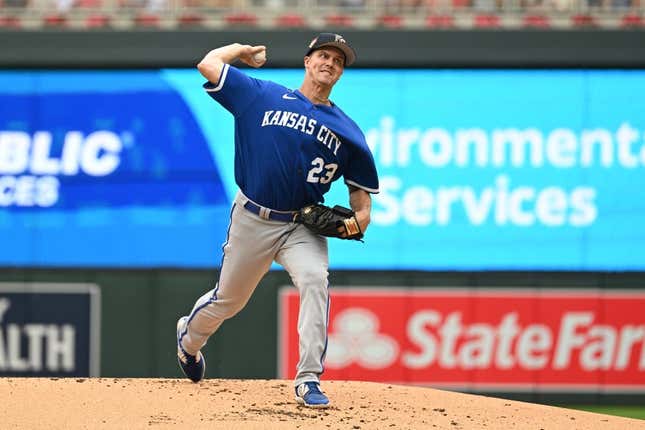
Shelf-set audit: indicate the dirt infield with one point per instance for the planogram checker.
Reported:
(268, 404)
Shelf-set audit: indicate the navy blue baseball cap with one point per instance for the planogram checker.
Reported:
(336, 41)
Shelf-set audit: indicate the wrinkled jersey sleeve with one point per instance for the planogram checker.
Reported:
(235, 91)
(361, 170)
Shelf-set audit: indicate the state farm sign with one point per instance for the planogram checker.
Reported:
(481, 338)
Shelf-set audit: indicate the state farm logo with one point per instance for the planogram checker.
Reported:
(356, 339)
(541, 339)
(447, 342)
(579, 341)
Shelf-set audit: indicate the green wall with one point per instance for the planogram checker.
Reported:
(555, 48)
(139, 310)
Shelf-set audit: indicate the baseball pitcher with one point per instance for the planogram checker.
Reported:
(290, 145)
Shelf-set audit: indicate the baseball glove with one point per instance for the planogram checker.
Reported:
(337, 222)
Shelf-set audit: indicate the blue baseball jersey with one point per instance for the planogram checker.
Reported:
(288, 150)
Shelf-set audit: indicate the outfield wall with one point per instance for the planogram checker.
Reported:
(139, 309)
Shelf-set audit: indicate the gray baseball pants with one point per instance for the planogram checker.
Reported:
(253, 243)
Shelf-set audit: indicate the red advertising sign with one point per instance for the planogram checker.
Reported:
(480, 339)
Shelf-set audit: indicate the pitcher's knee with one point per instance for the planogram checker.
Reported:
(233, 309)
(230, 313)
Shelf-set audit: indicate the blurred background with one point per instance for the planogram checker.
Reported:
(505, 254)
(394, 14)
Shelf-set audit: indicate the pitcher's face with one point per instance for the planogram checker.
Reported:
(325, 66)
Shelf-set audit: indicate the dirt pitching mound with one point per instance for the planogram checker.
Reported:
(103, 403)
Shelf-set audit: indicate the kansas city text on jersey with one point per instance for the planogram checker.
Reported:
(303, 123)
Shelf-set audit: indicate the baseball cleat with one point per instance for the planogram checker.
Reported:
(193, 366)
(309, 394)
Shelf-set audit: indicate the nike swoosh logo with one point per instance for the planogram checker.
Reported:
(288, 97)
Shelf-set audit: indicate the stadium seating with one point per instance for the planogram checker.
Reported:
(339, 20)
(88, 4)
(97, 20)
(330, 14)
(583, 20)
(12, 22)
(190, 20)
(632, 20)
(440, 21)
(241, 19)
(390, 21)
(486, 21)
(290, 20)
(147, 20)
(536, 21)
(55, 20)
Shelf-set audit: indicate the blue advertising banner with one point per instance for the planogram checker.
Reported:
(479, 169)
(49, 329)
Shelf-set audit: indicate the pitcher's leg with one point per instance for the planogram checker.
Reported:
(248, 254)
(304, 256)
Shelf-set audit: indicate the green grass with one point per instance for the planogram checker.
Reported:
(621, 411)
